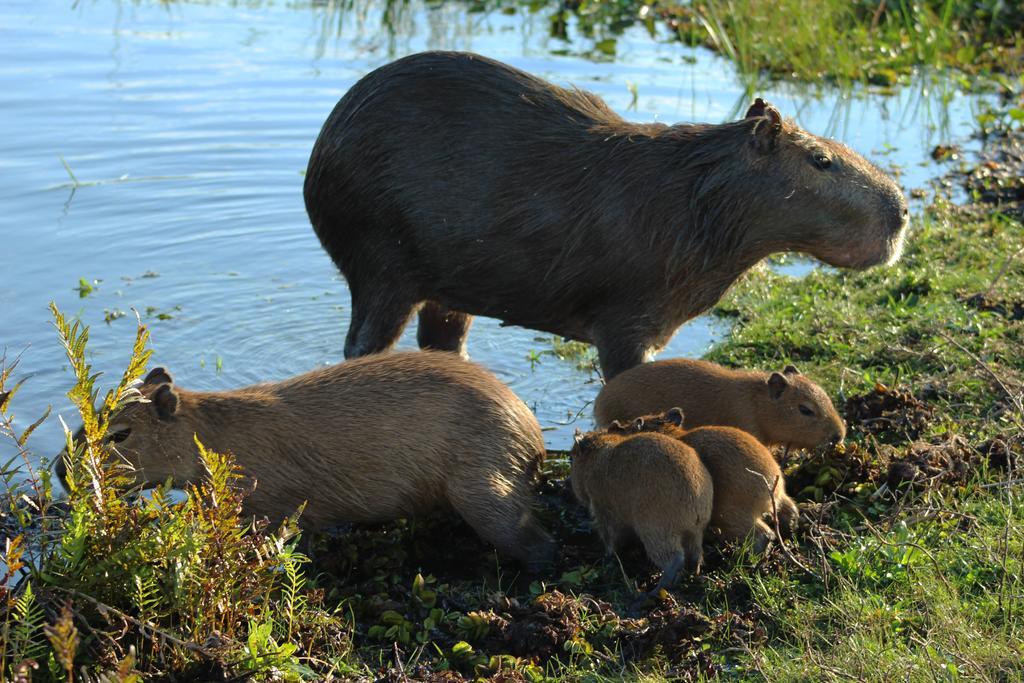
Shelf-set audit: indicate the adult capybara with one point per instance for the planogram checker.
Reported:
(742, 470)
(455, 185)
(369, 440)
(648, 486)
(777, 408)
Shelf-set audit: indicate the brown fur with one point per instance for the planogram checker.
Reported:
(773, 407)
(742, 470)
(517, 199)
(648, 486)
(368, 440)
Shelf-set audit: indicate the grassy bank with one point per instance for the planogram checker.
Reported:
(908, 564)
(877, 41)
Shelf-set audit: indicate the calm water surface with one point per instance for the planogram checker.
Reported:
(188, 127)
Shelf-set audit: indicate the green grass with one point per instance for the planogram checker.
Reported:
(884, 583)
(909, 577)
(838, 40)
(911, 323)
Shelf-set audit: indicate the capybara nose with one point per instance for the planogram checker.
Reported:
(836, 439)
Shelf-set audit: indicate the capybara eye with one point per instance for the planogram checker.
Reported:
(119, 436)
(822, 160)
(804, 410)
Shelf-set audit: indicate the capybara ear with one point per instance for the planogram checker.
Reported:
(790, 370)
(638, 424)
(768, 128)
(756, 110)
(777, 384)
(165, 402)
(158, 376)
(675, 416)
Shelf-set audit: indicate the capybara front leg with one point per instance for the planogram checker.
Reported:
(443, 329)
(618, 354)
(377, 322)
(740, 527)
(789, 514)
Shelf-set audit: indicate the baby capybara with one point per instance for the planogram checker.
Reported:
(369, 440)
(648, 486)
(777, 408)
(455, 185)
(743, 473)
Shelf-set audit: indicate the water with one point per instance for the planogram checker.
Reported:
(188, 126)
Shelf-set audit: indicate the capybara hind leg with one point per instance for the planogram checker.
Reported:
(533, 546)
(661, 547)
(693, 542)
(670, 572)
(443, 329)
(377, 323)
(788, 514)
(504, 522)
(613, 535)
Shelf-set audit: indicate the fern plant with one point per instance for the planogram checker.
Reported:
(129, 586)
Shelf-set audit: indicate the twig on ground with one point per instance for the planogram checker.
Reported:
(778, 532)
(154, 631)
(398, 662)
(1002, 271)
(1014, 398)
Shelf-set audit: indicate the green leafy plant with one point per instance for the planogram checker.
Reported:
(123, 584)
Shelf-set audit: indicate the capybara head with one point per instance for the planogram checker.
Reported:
(830, 201)
(797, 412)
(591, 442)
(150, 435)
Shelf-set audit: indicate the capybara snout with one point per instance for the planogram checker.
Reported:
(368, 440)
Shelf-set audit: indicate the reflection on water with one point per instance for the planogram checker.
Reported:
(187, 126)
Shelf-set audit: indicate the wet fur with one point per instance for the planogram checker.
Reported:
(454, 180)
(369, 440)
(710, 394)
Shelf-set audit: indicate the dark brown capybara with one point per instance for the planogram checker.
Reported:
(369, 440)
(454, 185)
(777, 408)
(648, 486)
(748, 482)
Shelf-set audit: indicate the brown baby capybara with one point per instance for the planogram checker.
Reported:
(743, 473)
(647, 486)
(777, 408)
(369, 440)
(454, 185)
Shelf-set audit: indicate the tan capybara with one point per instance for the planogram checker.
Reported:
(743, 472)
(777, 408)
(370, 440)
(648, 486)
